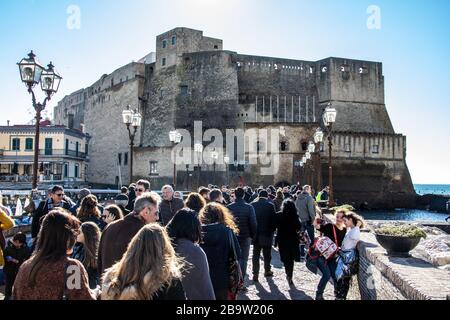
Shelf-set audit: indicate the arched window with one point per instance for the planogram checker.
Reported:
(284, 146)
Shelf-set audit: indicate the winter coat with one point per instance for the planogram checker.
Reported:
(51, 281)
(306, 208)
(167, 209)
(245, 218)
(115, 239)
(217, 246)
(21, 254)
(173, 291)
(288, 226)
(196, 280)
(266, 222)
(44, 207)
(6, 223)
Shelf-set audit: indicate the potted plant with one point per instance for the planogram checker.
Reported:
(399, 240)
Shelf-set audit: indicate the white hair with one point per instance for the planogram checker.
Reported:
(168, 187)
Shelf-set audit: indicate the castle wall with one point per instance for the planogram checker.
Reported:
(103, 119)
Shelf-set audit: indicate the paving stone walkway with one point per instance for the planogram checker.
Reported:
(277, 288)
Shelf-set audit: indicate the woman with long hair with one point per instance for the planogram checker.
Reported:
(112, 213)
(348, 257)
(89, 211)
(278, 201)
(195, 202)
(335, 232)
(45, 275)
(149, 269)
(86, 251)
(185, 231)
(288, 227)
(220, 245)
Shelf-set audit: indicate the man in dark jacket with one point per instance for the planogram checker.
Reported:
(54, 200)
(117, 235)
(266, 225)
(245, 218)
(307, 214)
(169, 205)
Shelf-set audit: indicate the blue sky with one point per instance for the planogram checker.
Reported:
(413, 44)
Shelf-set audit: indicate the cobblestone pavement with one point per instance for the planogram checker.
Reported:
(277, 288)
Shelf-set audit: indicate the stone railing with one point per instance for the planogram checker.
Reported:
(382, 277)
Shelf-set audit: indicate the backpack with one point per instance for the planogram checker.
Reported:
(326, 247)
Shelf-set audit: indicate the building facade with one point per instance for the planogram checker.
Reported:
(194, 79)
(63, 154)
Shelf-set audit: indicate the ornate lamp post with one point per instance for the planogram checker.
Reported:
(31, 74)
(329, 118)
(198, 149)
(318, 140)
(226, 160)
(214, 157)
(312, 150)
(132, 119)
(175, 138)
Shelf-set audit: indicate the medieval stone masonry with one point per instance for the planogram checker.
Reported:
(191, 78)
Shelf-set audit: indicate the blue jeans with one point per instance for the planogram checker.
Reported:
(311, 232)
(327, 268)
(245, 252)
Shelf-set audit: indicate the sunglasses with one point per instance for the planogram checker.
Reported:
(140, 190)
(59, 194)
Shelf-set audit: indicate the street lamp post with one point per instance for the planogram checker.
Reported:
(329, 118)
(31, 74)
(214, 157)
(318, 140)
(308, 157)
(132, 119)
(198, 149)
(226, 160)
(175, 137)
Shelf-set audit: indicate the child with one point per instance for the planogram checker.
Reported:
(16, 253)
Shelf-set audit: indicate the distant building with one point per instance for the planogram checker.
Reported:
(193, 78)
(63, 154)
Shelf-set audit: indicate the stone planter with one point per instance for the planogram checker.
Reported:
(398, 246)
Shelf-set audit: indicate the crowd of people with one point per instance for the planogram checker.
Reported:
(148, 247)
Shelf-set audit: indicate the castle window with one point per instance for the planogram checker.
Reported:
(112, 82)
(153, 168)
(174, 40)
(284, 146)
(184, 91)
(164, 44)
(345, 68)
(324, 69)
(163, 62)
(375, 149)
(125, 159)
(322, 147)
(304, 146)
(311, 70)
(348, 148)
(161, 94)
(216, 47)
(119, 159)
(363, 70)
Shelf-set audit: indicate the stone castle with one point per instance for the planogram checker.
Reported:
(192, 78)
